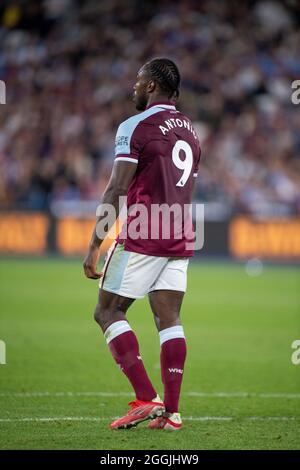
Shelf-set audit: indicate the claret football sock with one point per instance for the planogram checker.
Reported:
(124, 347)
(172, 358)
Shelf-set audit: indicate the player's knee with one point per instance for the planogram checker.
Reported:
(105, 316)
(169, 322)
(99, 314)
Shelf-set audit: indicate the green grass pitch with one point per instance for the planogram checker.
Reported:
(60, 388)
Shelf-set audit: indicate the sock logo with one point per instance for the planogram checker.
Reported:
(174, 370)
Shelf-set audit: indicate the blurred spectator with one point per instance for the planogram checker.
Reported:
(69, 68)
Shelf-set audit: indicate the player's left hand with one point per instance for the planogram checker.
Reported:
(90, 263)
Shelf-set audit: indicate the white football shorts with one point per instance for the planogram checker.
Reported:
(134, 275)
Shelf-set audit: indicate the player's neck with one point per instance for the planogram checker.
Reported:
(158, 98)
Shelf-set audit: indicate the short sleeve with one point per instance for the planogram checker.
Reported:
(127, 144)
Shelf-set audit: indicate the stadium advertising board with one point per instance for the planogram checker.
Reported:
(243, 237)
(73, 236)
(23, 233)
(274, 239)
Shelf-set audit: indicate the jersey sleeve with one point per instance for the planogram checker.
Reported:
(128, 142)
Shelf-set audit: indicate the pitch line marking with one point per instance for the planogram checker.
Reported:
(243, 395)
(128, 394)
(187, 418)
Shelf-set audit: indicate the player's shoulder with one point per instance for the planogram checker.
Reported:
(130, 124)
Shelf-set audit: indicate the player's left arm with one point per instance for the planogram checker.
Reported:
(122, 175)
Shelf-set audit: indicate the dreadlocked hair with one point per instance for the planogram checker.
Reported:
(166, 74)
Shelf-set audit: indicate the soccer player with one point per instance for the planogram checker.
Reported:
(157, 155)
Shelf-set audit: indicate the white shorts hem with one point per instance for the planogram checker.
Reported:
(123, 294)
(167, 288)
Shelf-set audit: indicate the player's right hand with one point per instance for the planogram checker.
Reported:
(90, 263)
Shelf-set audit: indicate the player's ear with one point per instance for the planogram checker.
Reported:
(151, 86)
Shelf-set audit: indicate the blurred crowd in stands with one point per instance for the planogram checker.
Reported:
(69, 68)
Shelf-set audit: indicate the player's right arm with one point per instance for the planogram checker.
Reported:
(126, 158)
(121, 177)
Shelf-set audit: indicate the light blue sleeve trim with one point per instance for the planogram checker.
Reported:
(127, 128)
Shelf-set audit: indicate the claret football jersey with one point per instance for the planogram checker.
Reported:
(163, 145)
